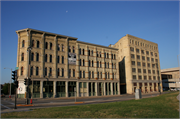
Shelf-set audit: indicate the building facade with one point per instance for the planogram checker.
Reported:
(59, 65)
(139, 65)
(170, 78)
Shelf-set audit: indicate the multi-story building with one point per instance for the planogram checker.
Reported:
(170, 78)
(58, 65)
(139, 65)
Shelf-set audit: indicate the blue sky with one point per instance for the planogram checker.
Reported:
(102, 22)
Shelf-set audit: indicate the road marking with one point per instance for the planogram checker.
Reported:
(5, 106)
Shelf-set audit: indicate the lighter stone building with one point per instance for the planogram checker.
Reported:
(58, 65)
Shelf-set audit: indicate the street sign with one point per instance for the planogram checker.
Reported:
(16, 68)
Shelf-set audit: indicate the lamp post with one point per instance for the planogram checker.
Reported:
(28, 75)
(10, 82)
(159, 87)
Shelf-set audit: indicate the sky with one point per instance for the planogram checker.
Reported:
(98, 22)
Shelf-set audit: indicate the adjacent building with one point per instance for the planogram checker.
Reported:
(59, 65)
(170, 78)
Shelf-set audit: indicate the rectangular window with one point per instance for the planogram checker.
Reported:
(148, 64)
(69, 72)
(62, 72)
(132, 55)
(155, 54)
(153, 65)
(139, 70)
(143, 58)
(147, 52)
(147, 58)
(144, 64)
(139, 77)
(145, 77)
(62, 60)
(134, 76)
(80, 51)
(73, 72)
(80, 76)
(149, 71)
(153, 71)
(83, 74)
(138, 57)
(154, 77)
(133, 62)
(149, 77)
(152, 59)
(139, 63)
(132, 49)
(156, 60)
(137, 50)
(133, 69)
(142, 51)
(144, 70)
(151, 53)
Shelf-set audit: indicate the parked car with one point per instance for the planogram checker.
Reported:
(173, 89)
(2, 95)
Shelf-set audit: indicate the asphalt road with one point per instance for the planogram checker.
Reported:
(7, 104)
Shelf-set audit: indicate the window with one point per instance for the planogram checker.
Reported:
(148, 64)
(149, 77)
(50, 71)
(144, 65)
(69, 72)
(136, 42)
(37, 56)
(111, 56)
(50, 58)
(92, 53)
(62, 72)
(154, 77)
(133, 69)
(113, 75)
(107, 55)
(133, 62)
(151, 53)
(80, 76)
(132, 49)
(92, 74)
(152, 59)
(80, 51)
(83, 62)
(50, 46)
(139, 63)
(97, 53)
(138, 57)
(155, 54)
(139, 70)
(153, 71)
(73, 49)
(137, 50)
(89, 74)
(37, 71)
(45, 72)
(32, 56)
(134, 76)
(32, 43)
(62, 46)
(143, 58)
(147, 58)
(46, 58)
(153, 65)
(132, 55)
(98, 75)
(83, 74)
(101, 75)
(89, 63)
(57, 59)
(23, 43)
(108, 65)
(147, 52)
(112, 65)
(144, 70)
(79, 62)
(156, 60)
(58, 73)
(139, 77)
(22, 57)
(73, 72)
(46, 45)
(105, 75)
(145, 77)
(100, 64)
(32, 70)
(114, 56)
(92, 63)
(149, 71)
(105, 64)
(21, 71)
(58, 47)
(115, 65)
(62, 60)
(97, 63)
(142, 51)
(37, 44)
(83, 51)
(89, 52)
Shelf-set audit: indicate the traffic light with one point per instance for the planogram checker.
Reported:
(29, 82)
(14, 75)
(25, 81)
(16, 84)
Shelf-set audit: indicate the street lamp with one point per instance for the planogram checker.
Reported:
(10, 82)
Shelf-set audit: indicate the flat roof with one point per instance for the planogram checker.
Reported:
(170, 69)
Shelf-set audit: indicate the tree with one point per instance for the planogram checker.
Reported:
(6, 88)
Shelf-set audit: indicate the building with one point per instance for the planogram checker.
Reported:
(170, 78)
(139, 64)
(59, 65)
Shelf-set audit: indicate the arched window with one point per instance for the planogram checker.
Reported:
(37, 44)
(22, 57)
(46, 45)
(46, 58)
(21, 71)
(73, 49)
(50, 46)
(62, 47)
(32, 56)
(32, 70)
(37, 56)
(83, 62)
(45, 71)
(50, 58)
(37, 71)
(32, 43)
(23, 43)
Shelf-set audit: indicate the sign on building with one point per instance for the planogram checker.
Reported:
(72, 58)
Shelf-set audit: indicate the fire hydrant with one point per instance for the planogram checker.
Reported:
(31, 101)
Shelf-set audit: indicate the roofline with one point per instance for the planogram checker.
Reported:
(45, 33)
(96, 45)
(170, 69)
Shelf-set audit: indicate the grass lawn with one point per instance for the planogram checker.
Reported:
(163, 106)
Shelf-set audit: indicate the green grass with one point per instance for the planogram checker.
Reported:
(163, 106)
